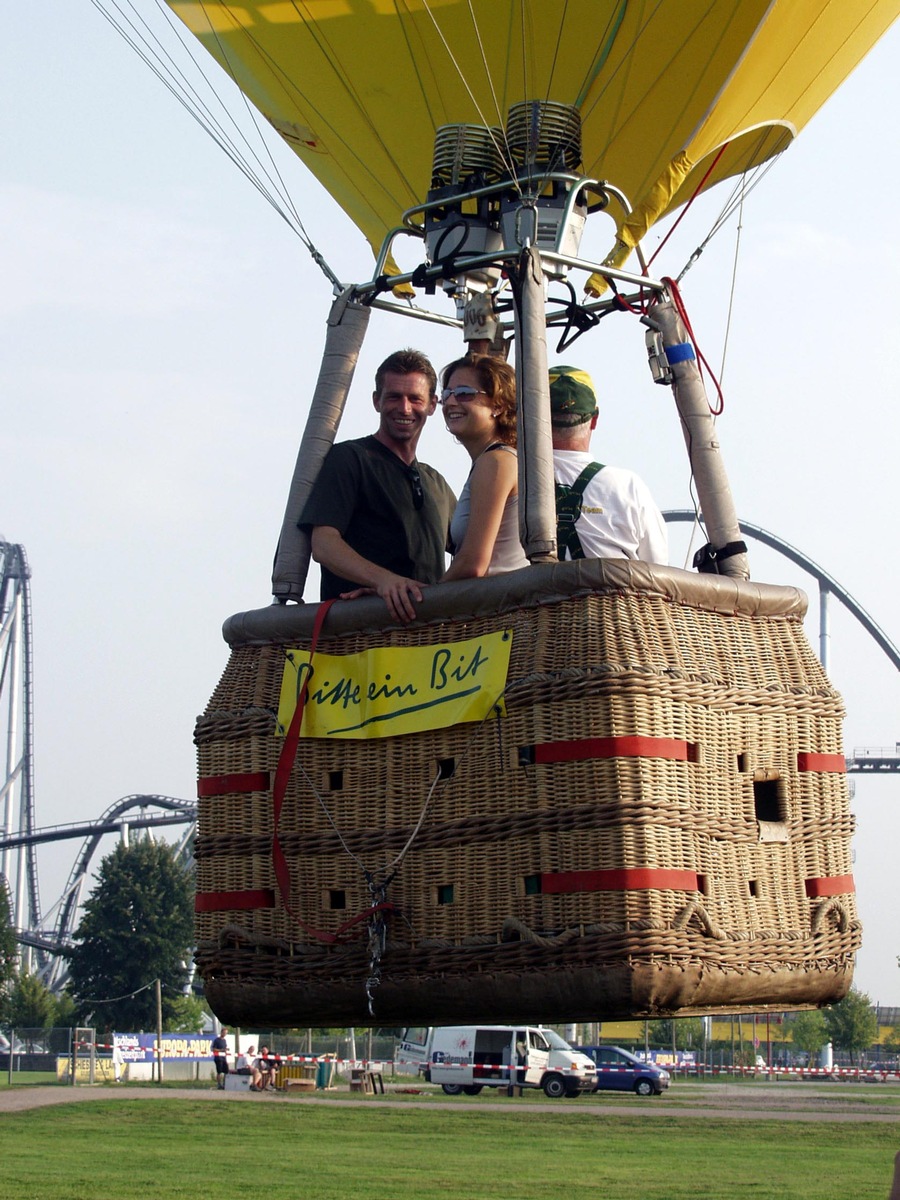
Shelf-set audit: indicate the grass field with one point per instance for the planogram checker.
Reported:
(144, 1148)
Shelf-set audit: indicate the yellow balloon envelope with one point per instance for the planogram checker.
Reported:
(358, 88)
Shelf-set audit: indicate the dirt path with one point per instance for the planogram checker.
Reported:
(774, 1103)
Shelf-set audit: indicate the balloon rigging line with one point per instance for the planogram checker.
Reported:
(613, 25)
(746, 183)
(150, 49)
(274, 166)
(525, 88)
(702, 361)
(330, 56)
(251, 114)
(162, 64)
(739, 192)
(294, 93)
(253, 117)
(555, 59)
(694, 196)
(696, 525)
(499, 145)
(734, 268)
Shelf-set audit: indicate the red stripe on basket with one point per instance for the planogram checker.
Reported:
(626, 879)
(220, 785)
(217, 901)
(612, 747)
(821, 762)
(829, 885)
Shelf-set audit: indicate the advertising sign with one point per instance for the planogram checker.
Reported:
(181, 1047)
(391, 690)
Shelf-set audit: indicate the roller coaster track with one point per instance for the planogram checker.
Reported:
(827, 584)
(53, 942)
(863, 761)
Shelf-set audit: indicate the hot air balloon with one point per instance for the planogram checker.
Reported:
(585, 789)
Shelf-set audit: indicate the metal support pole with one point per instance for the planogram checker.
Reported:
(537, 500)
(824, 628)
(159, 1026)
(701, 439)
(346, 329)
(13, 765)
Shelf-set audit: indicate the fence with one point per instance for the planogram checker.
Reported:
(29, 1056)
(67, 1055)
(34, 1052)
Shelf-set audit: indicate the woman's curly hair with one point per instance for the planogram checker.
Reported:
(498, 380)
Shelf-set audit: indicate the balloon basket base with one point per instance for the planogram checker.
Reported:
(653, 820)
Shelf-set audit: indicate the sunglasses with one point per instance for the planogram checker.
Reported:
(415, 481)
(460, 393)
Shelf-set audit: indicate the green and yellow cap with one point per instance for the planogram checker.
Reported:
(572, 391)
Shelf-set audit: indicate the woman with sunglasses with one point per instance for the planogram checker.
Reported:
(479, 404)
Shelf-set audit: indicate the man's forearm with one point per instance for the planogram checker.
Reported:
(331, 551)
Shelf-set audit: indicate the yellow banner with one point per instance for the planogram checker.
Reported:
(392, 690)
(103, 1069)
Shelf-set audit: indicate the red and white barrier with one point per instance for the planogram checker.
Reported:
(698, 1070)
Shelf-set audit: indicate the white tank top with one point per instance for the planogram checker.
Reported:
(508, 554)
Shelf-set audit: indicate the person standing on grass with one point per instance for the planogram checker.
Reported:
(219, 1048)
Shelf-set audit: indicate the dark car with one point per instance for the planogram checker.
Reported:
(619, 1071)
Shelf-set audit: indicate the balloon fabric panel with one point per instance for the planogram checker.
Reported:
(358, 88)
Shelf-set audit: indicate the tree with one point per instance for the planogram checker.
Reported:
(892, 1042)
(680, 1033)
(31, 1007)
(852, 1024)
(187, 1015)
(137, 927)
(809, 1032)
(66, 1011)
(9, 950)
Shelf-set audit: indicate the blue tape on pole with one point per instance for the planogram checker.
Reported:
(680, 353)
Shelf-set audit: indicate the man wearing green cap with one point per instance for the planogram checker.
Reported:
(602, 512)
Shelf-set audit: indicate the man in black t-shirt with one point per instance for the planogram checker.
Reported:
(378, 518)
(219, 1049)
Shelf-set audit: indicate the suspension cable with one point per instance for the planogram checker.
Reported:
(132, 27)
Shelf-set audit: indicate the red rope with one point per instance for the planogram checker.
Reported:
(683, 213)
(701, 359)
(279, 788)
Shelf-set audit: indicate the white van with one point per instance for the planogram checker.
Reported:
(467, 1058)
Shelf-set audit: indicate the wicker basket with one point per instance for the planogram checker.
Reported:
(658, 824)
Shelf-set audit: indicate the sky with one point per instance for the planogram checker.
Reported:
(160, 340)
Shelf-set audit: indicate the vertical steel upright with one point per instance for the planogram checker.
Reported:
(17, 793)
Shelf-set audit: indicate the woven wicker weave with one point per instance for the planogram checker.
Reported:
(500, 906)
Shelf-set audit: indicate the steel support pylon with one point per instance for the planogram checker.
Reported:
(19, 867)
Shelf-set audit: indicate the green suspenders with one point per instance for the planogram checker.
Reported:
(568, 510)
